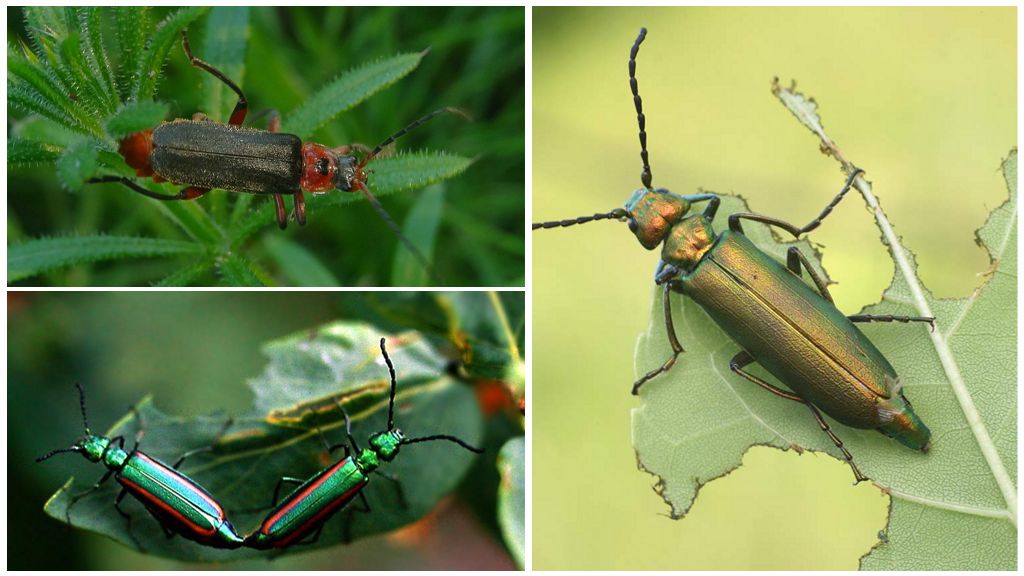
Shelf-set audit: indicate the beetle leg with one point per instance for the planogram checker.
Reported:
(839, 443)
(677, 348)
(192, 192)
(734, 219)
(277, 493)
(300, 208)
(744, 358)
(202, 449)
(794, 257)
(128, 519)
(398, 488)
(186, 194)
(350, 514)
(80, 495)
(274, 122)
(890, 318)
(282, 214)
(138, 433)
(238, 114)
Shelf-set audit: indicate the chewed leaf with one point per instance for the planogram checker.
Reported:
(964, 487)
(282, 437)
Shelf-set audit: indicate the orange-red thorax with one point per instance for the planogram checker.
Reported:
(319, 168)
(136, 149)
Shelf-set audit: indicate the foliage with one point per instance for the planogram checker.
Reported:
(84, 77)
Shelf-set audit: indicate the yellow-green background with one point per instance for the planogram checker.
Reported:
(924, 99)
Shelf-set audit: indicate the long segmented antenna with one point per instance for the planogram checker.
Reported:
(391, 412)
(376, 204)
(85, 422)
(645, 176)
(391, 401)
(81, 404)
(366, 159)
(58, 451)
(444, 437)
(398, 232)
(614, 214)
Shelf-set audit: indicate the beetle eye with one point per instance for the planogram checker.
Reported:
(321, 167)
(632, 225)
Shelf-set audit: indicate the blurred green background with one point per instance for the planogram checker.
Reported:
(124, 345)
(924, 99)
(476, 62)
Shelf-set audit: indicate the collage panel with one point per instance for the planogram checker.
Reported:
(285, 431)
(236, 146)
(774, 290)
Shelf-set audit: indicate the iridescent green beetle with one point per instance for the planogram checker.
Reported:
(178, 503)
(793, 331)
(300, 517)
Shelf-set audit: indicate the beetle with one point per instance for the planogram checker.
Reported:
(795, 332)
(304, 511)
(178, 503)
(202, 154)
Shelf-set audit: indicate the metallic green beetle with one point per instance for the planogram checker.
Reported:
(179, 504)
(300, 517)
(793, 331)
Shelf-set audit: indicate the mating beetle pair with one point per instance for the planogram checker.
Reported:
(183, 507)
(795, 332)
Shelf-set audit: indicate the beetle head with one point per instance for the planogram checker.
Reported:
(387, 444)
(324, 170)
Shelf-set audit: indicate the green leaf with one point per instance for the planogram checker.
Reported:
(961, 493)
(90, 22)
(390, 175)
(132, 30)
(295, 396)
(238, 271)
(167, 34)
(227, 34)
(297, 263)
(89, 93)
(512, 497)
(187, 275)
(76, 164)
(420, 228)
(34, 88)
(22, 152)
(695, 423)
(44, 254)
(347, 90)
(136, 116)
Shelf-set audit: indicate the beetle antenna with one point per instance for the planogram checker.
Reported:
(448, 109)
(58, 451)
(614, 214)
(444, 437)
(81, 404)
(391, 401)
(645, 176)
(398, 232)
